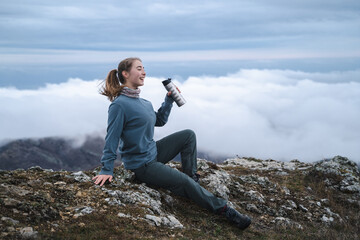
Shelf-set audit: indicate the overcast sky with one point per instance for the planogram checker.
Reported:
(50, 41)
(269, 79)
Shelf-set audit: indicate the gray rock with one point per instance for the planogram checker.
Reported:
(60, 183)
(173, 222)
(14, 189)
(329, 212)
(123, 176)
(282, 173)
(10, 229)
(217, 183)
(9, 221)
(81, 211)
(286, 191)
(325, 201)
(80, 176)
(338, 165)
(302, 208)
(28, 233)
(252, 208)
(202, 164)
(114, 202)
(10, 202)
(168, 200)
(350, 188)
(156, 220)
(145, 196)
(291, 204)
(169, 221)
(343, 167)
(327, 219)
(36, 168)
(266, 165)
(258, 180)
(34, 183)
(255, 196)
(286, 223)
(356, 201)
(123, 215)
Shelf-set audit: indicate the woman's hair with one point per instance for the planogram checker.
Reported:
(111, 86)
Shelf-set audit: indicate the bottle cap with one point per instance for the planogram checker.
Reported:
(166, 82)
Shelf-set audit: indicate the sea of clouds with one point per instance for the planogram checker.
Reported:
(276, 114)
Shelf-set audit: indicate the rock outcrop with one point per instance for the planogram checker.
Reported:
(292, 200)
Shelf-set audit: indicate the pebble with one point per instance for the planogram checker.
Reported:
(60, 183)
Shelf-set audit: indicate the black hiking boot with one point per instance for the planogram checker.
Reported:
(196, 177)
(240, 220)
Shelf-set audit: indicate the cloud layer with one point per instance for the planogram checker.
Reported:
(257, 113)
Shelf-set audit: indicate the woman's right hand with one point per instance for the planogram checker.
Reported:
(101, 179)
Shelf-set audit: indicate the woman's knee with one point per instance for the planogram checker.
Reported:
(190, 133)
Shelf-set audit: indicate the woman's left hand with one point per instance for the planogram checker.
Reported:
(101, 179)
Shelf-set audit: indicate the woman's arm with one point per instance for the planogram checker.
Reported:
(163, 113)
(114, 130)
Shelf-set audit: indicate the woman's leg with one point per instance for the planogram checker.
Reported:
(183, 142)
(160, 175)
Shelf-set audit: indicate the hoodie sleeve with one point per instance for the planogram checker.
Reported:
(116, 118)
(163, 113)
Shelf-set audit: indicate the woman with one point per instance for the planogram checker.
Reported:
(131, 122)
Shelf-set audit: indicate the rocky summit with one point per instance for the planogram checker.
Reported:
(286, 200)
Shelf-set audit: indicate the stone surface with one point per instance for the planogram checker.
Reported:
(276, 195)
(169, 221)
(28, 233)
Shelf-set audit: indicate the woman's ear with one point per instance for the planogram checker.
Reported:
(125, 74)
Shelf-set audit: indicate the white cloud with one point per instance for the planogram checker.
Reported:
(66, 109)
(259, 113)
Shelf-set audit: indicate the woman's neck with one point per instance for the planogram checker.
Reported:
(131, 87)
(134, 93)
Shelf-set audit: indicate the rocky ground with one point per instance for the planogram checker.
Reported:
(286, 200)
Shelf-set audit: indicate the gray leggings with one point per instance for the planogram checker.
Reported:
(156, 173)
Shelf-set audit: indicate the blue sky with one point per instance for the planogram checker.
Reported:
(267, 78)
(50, 41)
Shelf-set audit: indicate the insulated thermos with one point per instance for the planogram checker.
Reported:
(175, 92)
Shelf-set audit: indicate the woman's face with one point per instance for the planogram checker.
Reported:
(135, 77)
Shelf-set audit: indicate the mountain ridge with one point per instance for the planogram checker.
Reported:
(60, 153)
